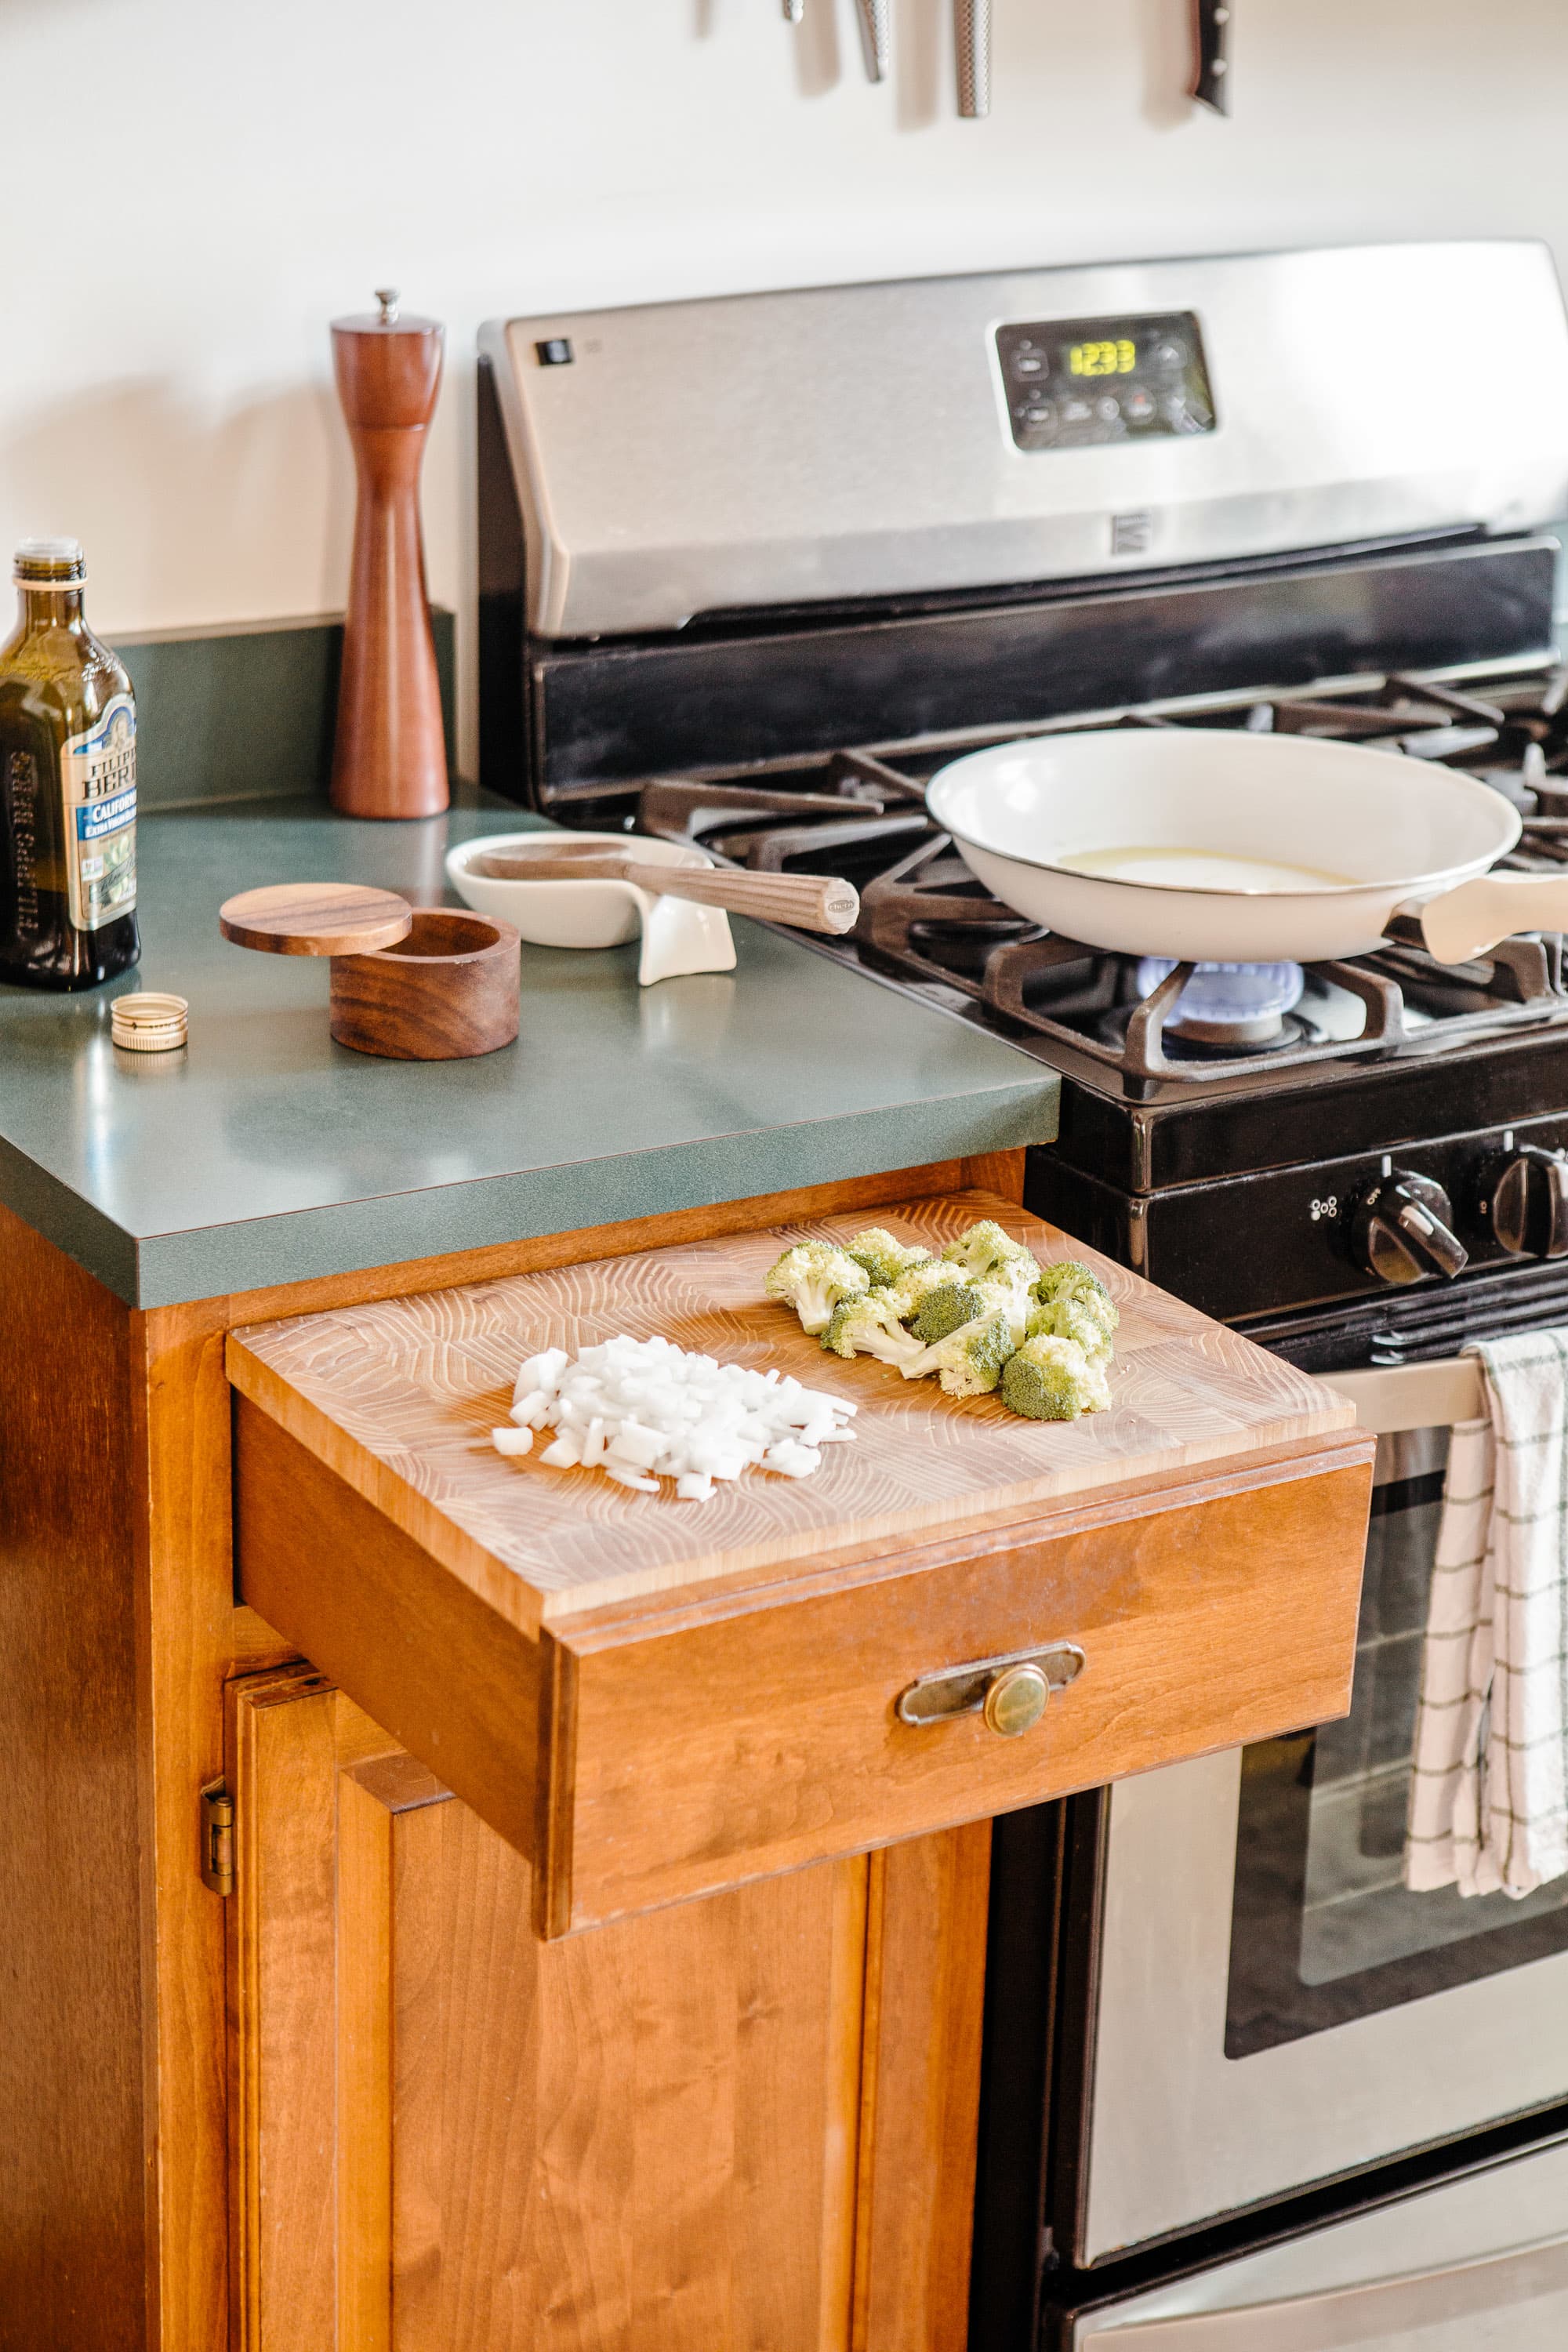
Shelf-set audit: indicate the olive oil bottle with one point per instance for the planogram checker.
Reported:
(68, 786)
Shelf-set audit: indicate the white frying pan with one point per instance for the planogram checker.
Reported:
(1234, 848)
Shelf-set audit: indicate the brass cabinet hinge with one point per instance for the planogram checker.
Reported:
(217, 1838)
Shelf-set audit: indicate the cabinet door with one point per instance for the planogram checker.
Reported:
(450, 2138)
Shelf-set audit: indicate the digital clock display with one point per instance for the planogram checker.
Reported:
(1117, 356)
(1081, 383)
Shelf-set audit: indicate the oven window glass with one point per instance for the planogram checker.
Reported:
(1324, 1929)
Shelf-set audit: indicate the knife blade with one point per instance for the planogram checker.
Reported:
(972, 44)
(873, 15)
(1210, 84)
(794, 11)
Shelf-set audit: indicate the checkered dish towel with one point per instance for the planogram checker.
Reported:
(1488, 1803)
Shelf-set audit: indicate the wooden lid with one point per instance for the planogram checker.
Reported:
(322, 919)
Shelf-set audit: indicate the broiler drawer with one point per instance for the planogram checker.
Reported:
(653, 1700)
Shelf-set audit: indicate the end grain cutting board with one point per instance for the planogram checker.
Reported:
(399, 1398)
(652, 1699)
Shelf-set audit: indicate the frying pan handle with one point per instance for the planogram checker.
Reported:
(1468, 921)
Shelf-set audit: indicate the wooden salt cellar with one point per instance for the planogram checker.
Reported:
(448, 991)
(390, 758)
(409, 983)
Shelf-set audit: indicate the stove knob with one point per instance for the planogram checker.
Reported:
(1524, 1199)
(1400, 1229)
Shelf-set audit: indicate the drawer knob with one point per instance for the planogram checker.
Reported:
(1010, 1692)
(1015, 1700)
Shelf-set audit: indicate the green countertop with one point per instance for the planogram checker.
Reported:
(265, 1153)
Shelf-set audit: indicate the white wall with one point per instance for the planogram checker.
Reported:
(190, 189)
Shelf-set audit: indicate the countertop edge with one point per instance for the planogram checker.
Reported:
(175, 1268)
(82, 1232)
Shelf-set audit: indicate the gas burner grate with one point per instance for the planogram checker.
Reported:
(927, 923)
(1140, 1047)
(920, 917)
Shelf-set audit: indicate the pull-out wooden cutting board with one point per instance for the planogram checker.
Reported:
(400, 1397)
(653, 1699)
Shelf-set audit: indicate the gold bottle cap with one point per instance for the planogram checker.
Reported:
(146, 1024)
(50, 563)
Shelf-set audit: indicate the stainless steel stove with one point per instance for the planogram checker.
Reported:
(751, 571)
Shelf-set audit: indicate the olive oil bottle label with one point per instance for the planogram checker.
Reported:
(97, 775)
(21, 795)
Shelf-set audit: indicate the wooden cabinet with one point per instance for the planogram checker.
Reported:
(738, 2111)
(746, 2122)
(384, 2093)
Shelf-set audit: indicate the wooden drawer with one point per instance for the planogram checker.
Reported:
(661, 1723)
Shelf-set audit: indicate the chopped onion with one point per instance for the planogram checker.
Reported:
(642, 1409)
(539, 1372)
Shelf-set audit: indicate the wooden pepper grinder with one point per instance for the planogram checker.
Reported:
(390, 758)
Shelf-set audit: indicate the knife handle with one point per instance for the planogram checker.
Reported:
(1211, 56)
(972, 45)
(874, 37)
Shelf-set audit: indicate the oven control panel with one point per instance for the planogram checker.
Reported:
(1080, 383)
(1418, 1220)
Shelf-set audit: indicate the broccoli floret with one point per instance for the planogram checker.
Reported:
(1050, 1380)
(944, 1311)
(915, 1287)
(1071, 1319)
(984, 1248)
(813, 1277)
(1011, 1287)
(969, 1360)
(883, 1256)
(868, 1327)
(1069, 1273)
(1065, 1277)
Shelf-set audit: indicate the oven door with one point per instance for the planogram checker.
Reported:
(1476, 2264)
(1264, 2004)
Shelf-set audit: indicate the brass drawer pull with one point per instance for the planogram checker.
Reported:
(1010, 1692)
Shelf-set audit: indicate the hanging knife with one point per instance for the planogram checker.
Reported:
(972, 42)
(1211, 61)
(794, 10)
(873, 15)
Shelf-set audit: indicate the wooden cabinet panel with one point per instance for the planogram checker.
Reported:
(76, 2223)
(925, 1967)
(450, 2138)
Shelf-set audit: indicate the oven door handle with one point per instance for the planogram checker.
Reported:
(1382, 2312)
(1414, 1396)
